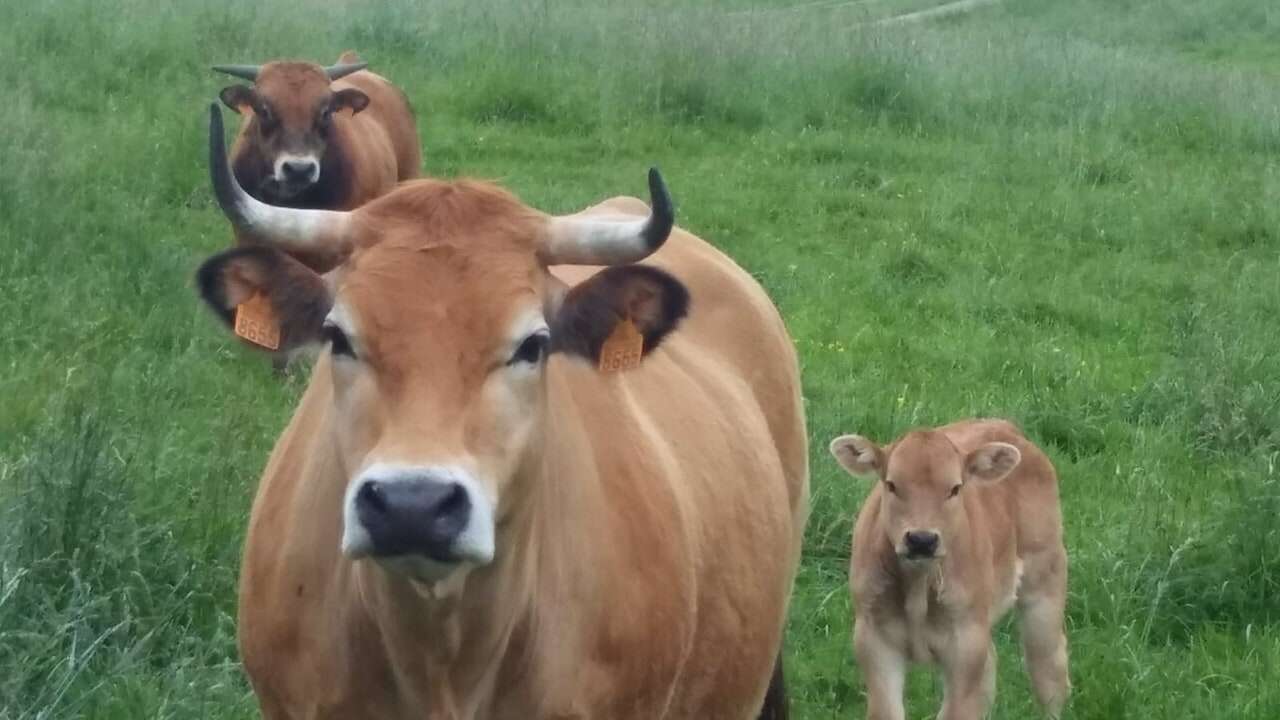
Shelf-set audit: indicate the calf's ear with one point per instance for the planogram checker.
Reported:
(991, 462)
(858, 455)
(652, 299)
(289, 298)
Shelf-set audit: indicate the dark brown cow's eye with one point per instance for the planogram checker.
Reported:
(339, 344)
(893, 489)
(955, 490)
(324, 120)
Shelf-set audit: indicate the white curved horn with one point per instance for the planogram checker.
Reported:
(595, 240)
(321, 236)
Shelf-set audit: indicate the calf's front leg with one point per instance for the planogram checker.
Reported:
(884, 669)
(969, 674)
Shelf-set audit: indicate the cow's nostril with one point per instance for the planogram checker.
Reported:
(371, 497)
(454, 510)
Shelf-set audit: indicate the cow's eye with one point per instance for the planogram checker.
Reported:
(531, 350)
(955, 490)
(266, 124)
(893, 489)
(323, 121)
(339, 344)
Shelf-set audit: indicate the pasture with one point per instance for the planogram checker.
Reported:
(1065, 213)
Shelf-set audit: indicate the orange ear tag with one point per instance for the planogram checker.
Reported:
(256, 322)
(622, 349)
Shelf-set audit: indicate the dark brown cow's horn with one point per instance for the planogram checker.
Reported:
(248, 72)
(321, 238)
(604, 240)
(344, 69)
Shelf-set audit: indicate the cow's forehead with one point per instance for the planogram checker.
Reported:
(924, 457)
(292, 85)
(405, 298)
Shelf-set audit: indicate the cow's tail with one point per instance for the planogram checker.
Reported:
(775, 700)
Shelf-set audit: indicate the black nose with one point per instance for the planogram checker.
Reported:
(921, 543)
(298, 170)
(413, 517)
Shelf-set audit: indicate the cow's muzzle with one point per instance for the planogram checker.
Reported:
(435, 514)
(413, 517)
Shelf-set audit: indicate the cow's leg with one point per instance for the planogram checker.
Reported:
(969, 674)
(884, 669)
(1041, 604)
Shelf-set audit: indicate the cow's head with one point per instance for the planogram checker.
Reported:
(923, 478)
(437, 318)
(290, 109)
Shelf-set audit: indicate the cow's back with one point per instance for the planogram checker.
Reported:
(710, 433)
(735, 327)
(386, 129)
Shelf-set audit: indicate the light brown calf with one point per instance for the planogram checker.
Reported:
(962, 524)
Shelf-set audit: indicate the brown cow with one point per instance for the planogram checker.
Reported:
(314, 137)
(468, 518)
(963, 524)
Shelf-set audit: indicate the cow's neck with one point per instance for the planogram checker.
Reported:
(517, 624)
(447, 641)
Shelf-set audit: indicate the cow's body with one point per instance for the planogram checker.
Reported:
(366, 154)
(1003, 548)
(653, 556)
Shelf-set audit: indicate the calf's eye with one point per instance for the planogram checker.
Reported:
(892, 488)
(955, 490)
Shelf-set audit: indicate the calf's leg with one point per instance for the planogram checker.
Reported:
(1041, 604)
(884, 669)
(969, 674)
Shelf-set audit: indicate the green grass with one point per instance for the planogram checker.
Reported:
(1067, 213)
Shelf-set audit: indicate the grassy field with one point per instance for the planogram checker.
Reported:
(1067, 213)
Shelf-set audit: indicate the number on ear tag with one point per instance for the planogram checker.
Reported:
(256, 322)
(623, 348)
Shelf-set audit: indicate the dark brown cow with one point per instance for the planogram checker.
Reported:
(468, 518)
(328, 138)
(313, 137)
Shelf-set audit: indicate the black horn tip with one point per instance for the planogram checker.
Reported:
(342, 70)
(219, 173)
(662, 214)
(247, 72)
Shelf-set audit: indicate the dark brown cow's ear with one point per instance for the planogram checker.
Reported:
(239, 98)
(297, 298)
(652, 299)
(350, 98)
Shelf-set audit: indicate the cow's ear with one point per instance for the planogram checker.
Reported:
(991, 462)
(296, 299)
(240, 98)
(350, 98)
(858, 455)
(652, 299)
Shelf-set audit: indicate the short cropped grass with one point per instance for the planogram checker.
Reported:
(1066, 213)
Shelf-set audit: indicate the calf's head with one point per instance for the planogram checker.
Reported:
(923, 477)
(437, 321)
(290, 109)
